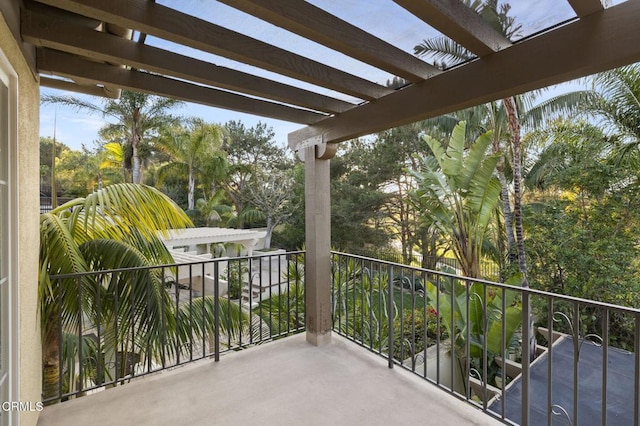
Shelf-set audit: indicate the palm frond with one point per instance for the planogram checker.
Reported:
(132, 206)
(443, 49)
(568, 104)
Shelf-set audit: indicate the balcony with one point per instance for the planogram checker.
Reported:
(407, 344)
(286, 382)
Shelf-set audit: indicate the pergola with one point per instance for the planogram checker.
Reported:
(90, 46)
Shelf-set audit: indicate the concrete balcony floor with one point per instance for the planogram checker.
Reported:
(287, 382)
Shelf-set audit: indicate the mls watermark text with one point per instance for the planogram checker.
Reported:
(21, 406)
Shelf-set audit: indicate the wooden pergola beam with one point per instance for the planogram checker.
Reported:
(315, 24)
(94, 90)
(74, 67)
(172, 25)
(458, 22)
(593, 44)
(42, 31)
(586, 7)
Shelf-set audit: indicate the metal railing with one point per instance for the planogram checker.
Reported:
(467, 337)
(108, 327)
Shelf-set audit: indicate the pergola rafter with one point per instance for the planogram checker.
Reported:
(315, 24)
(43, 31)
(455, 20)
(598, 39)
(599, 42)
(177, 27)
(74, 67)
(586, 7)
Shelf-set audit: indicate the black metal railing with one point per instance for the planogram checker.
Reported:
(108, 327)
(471, 338)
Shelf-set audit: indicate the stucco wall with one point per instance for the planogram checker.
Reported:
(29, 363)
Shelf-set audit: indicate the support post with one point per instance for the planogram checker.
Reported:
(318, 242)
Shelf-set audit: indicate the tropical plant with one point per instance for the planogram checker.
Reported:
(137, 116)
(190, 149)
(441, 48)
(616, 100)
(114, 228)
(284, 312)
(480, 119)
(113, 158)
(361, 304)
(212, 210)
(459, 194)
(477, 317)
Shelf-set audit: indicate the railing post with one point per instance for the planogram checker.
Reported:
(526, 308)
(636, 350)
(605, 363)
(216, 313)
(390, 314)
(59, 319)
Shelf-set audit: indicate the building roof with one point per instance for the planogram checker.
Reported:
(321, 63)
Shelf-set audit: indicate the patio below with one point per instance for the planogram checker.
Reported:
(286, 382)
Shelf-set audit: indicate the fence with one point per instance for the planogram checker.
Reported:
(104, 328)
(467, 337)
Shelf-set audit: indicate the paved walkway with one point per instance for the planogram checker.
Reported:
(288, 382)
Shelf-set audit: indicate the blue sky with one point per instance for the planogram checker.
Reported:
(75, 128)
(397, 26)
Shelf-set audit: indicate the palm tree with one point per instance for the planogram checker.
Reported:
(213, 209)
(137, 116)
(116, 227)
(191, 148)
(445, 49)
(616, 99)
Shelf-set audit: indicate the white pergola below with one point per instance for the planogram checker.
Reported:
(192, 238)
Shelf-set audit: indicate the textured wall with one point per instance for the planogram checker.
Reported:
(29, 362)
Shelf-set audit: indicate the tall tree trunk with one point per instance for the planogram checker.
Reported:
(192, 190)
(506, 203)
(135, 160)
(267, 238)
(516, 146)
(429, 248)
(51, 362)
(135, 144)
(404, 226)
